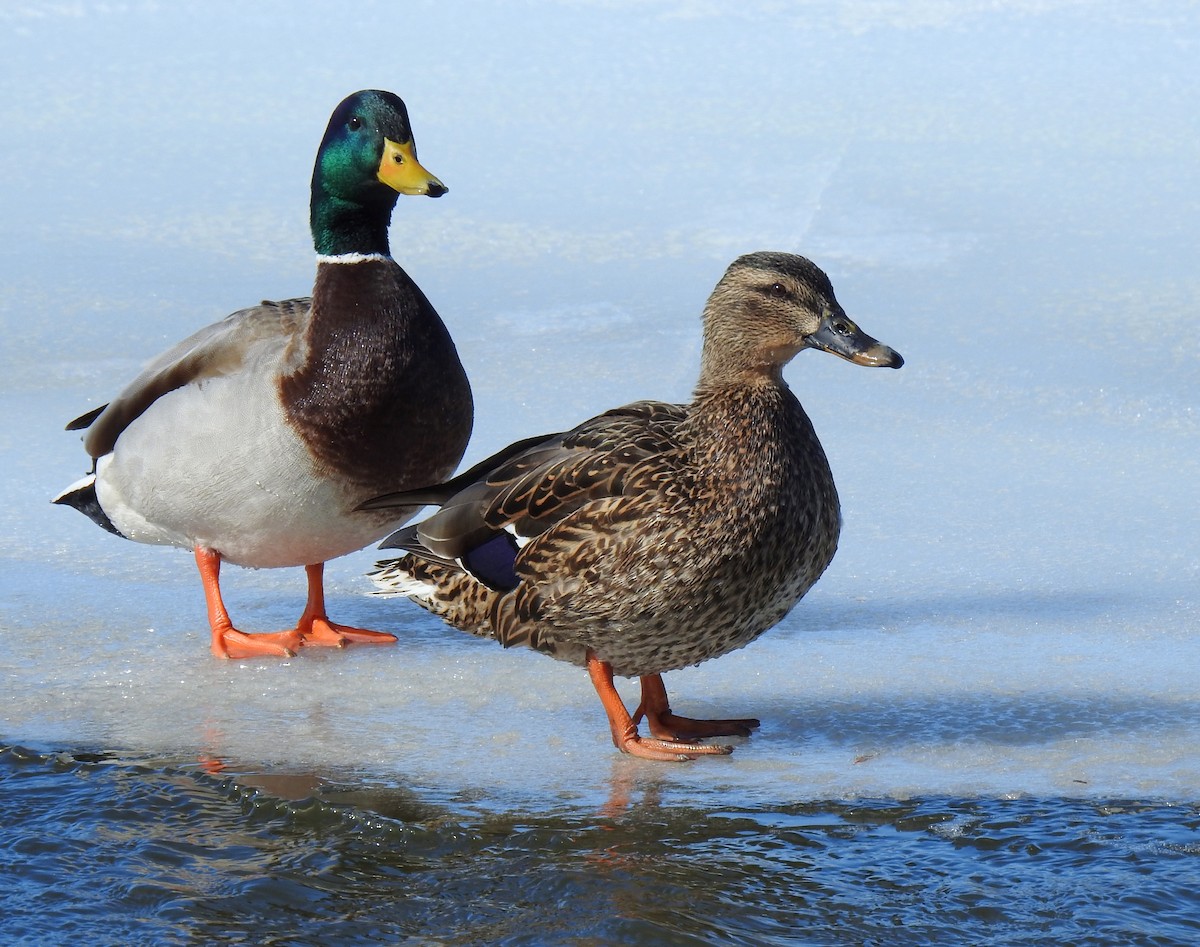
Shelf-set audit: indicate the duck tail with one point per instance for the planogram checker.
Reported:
(82, 496)
(444, 589)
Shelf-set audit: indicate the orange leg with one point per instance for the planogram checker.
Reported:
(624, 729)
(667, 726)
(227, 641)
(314, 626)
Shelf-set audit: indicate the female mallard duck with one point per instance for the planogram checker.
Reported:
(654, 536)
(257, 439)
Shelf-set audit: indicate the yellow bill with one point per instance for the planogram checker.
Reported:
(400, 170)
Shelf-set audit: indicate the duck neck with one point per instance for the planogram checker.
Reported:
(746, 415)
(742, 402)
(342, 227)
(750, 374)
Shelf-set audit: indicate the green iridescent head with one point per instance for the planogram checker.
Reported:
(366, 159)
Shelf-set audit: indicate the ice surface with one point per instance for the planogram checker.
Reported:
(1007, 193)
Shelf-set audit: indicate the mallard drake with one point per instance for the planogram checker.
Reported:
(654, 536)
(256, 440)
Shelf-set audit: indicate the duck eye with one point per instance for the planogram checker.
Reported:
(778, 289)
(354, 124)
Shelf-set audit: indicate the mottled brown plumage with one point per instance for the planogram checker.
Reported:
(654, 536)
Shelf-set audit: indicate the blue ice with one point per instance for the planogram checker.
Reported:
(1007, 193)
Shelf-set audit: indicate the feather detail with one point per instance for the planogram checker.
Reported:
(655, 535)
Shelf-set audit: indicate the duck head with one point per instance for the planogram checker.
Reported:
(366, 160)
(769, 306)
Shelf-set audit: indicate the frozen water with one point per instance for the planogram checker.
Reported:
(1007, 193)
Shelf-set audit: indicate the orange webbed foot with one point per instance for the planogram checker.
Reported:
(227, 641)
(322, 633)
(665, 725)
(231, 643)
(672, 727)
(668, 750)
(669, 726)
(660, 746)
(315, 628)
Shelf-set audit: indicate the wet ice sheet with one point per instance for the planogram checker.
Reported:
(1008, 196)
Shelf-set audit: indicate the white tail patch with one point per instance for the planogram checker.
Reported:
(390, 581)
(78, 485)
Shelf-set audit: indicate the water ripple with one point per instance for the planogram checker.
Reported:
(115, 850)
